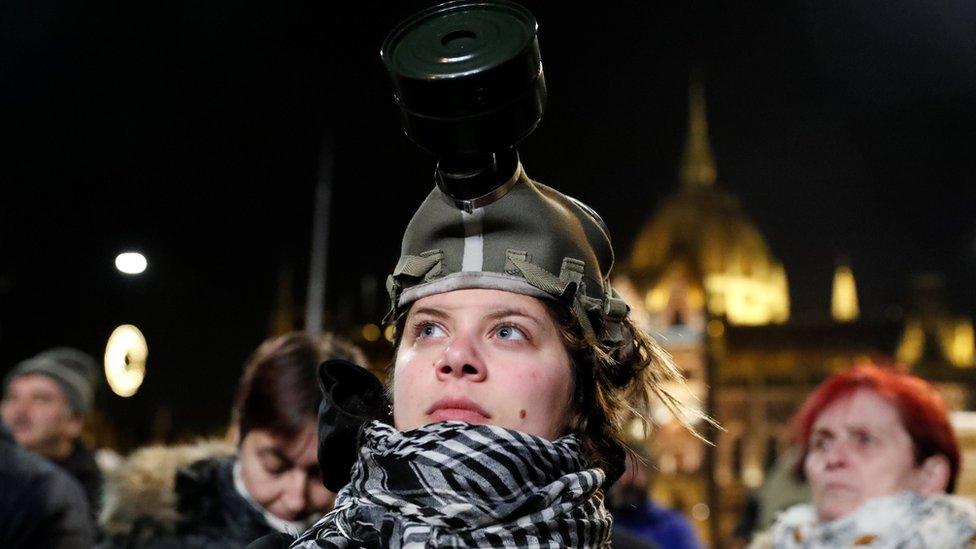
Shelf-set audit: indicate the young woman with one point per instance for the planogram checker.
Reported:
(516, 366)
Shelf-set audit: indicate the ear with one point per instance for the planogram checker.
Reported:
(933, 475)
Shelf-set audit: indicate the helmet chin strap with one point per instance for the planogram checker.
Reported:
(471, 182)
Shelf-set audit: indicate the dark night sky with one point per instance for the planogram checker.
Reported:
(191, 131)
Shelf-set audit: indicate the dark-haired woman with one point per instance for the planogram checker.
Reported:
(213, 496)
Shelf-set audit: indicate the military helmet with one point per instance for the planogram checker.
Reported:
(534, 241)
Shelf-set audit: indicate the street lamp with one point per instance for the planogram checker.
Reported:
(131, 263)
(125, 360)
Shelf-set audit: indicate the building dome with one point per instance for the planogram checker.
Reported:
(700, 246)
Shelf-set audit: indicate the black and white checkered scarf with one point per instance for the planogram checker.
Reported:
(459, 485)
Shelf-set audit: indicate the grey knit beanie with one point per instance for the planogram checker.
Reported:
(75, 371)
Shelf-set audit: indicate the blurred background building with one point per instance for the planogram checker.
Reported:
(818, 211)
(702, 278)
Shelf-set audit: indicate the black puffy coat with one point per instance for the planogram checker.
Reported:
(198, 507)
(81, 465)
(40, 505)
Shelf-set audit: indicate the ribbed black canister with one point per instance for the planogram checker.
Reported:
(467, 76)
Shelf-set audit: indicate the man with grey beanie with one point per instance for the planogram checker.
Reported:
(44, 402)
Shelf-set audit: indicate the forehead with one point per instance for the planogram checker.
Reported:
(301, 449)
(482, 301)
(862, 408)
(38, 384)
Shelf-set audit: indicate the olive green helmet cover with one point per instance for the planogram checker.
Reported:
(534, 241)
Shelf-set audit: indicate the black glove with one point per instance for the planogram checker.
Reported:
(351, 398)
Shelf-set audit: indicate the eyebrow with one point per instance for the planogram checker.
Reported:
(428, 311)
(855, 428)
(493, 315)
(275, 452)
(502, 313)
(821, 432)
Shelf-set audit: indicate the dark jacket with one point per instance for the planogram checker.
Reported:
(80, 464)
(665, 527)
(40, 505)
(196, 507)
(622, 538)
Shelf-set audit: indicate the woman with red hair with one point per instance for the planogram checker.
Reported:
(880, 456)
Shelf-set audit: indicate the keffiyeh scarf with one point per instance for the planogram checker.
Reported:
(458, 485)
(906, 520)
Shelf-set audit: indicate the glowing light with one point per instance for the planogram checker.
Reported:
(389, 332)
(963, 422)
(715, 328)
(752, 476)
(781, 291)
(667, 464)
(843, 303)
(700, 512)
(749, 300)
(635, 429)
(657, 299)
(132, 263)
(662, 415)
(960, 344)
(371, 332)
(695, 298)
(125, 360)
(912, 343)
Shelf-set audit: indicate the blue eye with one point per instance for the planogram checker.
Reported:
(509, 333)
(429, 330)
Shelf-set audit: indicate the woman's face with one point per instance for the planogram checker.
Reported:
(484, 357)
(282, 475)
(858, 450)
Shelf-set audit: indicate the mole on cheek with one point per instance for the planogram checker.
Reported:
(522, 414)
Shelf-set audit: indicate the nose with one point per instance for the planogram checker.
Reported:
(836, 454)
(461, 359)
(295, 495)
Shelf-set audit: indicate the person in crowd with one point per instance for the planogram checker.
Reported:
(40, 504)
(881, 458)
(213, 496)
(516, 365)
(45, 399)
(634, 511)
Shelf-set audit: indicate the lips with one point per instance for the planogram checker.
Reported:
(838, 488)
(458, 409)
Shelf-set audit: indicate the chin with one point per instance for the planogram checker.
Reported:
(835, 510)
(290, 517)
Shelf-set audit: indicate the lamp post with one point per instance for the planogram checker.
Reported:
(317, 265)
